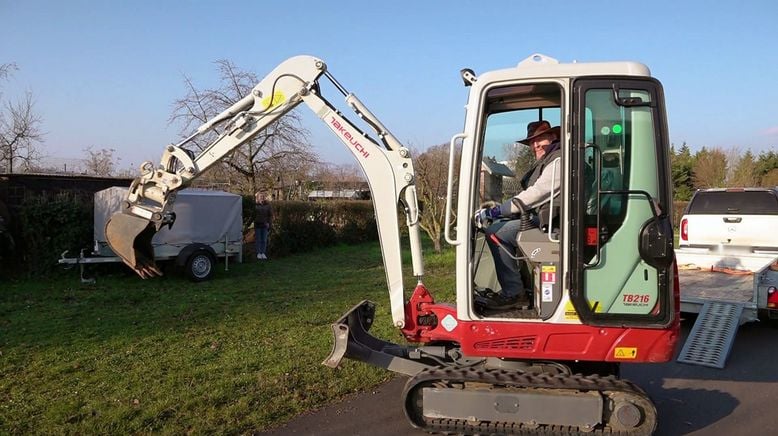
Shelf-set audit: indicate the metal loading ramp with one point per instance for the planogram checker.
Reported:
(713, 334)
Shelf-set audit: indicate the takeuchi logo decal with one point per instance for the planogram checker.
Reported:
(354, 142)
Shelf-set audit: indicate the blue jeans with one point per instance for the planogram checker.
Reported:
(507, 268)
(260, 237)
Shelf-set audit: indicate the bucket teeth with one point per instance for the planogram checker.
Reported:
(129, 236)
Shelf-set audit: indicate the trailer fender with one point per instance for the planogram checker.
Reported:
(184, 254)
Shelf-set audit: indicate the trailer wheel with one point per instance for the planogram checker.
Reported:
(200, 266)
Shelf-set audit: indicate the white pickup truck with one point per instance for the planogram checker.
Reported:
(728, 267)
(743, 219)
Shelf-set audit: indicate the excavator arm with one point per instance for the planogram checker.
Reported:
(388, 168)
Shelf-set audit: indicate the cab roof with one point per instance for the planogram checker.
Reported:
(542, 66)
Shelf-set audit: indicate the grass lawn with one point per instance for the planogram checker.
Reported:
(240, 353)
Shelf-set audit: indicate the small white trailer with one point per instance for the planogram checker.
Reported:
(726, 289)
(208, 226)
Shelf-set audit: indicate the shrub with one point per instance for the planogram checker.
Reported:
(678, 208)
(299, 226)
(49, 225)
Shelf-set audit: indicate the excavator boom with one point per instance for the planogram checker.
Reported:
(388, 167)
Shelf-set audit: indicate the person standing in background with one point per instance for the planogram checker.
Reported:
(263, 219)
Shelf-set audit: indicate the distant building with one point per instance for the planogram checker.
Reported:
(492, 173)
(341, 194)
(14, 188)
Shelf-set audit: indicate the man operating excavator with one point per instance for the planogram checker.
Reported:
(534, 199)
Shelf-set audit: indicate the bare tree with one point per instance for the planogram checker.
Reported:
(101, 162)
(710, 168)
(431, 176)
(262, 161)
(743, 171)
(522, 157)
(5, 70)
(339, 176)
(20, 133)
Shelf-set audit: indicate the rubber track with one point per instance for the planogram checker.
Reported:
(604, 385)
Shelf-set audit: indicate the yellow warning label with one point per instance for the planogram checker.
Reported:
(278, 98)
(625, 353)
(548, 268)
(570, 312)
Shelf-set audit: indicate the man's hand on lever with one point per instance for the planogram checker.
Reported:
(484, 216)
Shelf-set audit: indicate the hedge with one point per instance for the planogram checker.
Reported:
(678, 209)
(47, 225)
(300, 226)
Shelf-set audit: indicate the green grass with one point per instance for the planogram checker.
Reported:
(238, 354)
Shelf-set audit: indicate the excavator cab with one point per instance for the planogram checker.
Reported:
(604, 256)
(507, 112)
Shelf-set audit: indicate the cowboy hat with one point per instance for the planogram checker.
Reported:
(537, 128)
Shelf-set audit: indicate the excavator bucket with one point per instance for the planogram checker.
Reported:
(129, 236)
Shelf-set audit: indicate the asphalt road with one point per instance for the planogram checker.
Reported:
(738, 400)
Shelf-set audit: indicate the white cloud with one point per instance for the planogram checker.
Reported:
(770, 131)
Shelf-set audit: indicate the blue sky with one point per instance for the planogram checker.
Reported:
(105, 73)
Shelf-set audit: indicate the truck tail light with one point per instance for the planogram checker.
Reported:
(684, 229)
(772, 297)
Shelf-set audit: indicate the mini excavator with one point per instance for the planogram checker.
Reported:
(603, 281)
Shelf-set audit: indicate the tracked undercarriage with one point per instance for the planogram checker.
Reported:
(469, 401)
(448, 393)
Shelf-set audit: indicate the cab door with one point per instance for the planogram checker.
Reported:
(621, 240)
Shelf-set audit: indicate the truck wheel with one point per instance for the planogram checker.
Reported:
(200, 266)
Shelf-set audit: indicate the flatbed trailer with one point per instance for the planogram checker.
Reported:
(725, 290)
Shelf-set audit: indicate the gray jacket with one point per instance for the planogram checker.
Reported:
(538, 183)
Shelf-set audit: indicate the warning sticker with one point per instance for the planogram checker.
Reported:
(625, 353)
(548, 274)
(570, 312)
(278, 98)
(547, 294)
(449, 323)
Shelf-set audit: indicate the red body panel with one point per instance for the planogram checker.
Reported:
(539, 340)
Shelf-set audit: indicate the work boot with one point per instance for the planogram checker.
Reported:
(488, 299)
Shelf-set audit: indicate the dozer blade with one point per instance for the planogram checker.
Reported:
(129, 236)
(352, 341)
